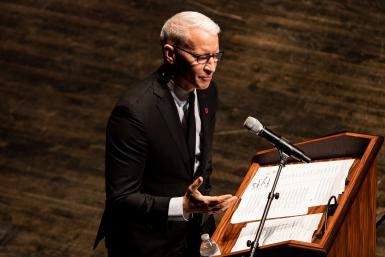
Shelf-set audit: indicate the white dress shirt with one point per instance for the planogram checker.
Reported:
(180, 96)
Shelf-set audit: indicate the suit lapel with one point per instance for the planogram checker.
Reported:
(170, 115)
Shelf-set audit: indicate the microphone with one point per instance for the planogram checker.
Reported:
(255, 127)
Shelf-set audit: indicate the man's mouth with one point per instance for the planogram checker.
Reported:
(206, 78)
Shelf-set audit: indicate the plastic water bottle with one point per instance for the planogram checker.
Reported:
(208, 246)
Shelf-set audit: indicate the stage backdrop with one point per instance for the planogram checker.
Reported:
(303, 68)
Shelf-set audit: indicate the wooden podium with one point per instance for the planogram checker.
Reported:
(351, 231)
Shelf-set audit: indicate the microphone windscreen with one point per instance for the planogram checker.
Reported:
(253, 125)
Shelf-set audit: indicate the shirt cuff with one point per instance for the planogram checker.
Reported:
(175, 210)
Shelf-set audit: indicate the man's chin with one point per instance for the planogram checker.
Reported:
(203, 85)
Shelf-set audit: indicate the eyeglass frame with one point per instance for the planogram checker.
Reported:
(197, 56)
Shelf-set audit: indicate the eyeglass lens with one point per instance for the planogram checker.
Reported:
(205, 58)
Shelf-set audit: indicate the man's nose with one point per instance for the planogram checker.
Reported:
(210, 65)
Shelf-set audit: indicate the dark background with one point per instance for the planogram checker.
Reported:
(303, 68)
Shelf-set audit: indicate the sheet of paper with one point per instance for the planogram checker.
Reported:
(300, 186)
(300, 228)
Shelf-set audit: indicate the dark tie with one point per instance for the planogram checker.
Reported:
(190, 128)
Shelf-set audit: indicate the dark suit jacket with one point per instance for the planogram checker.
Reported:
(147, 163)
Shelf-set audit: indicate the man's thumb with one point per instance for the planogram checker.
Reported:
(196, 184)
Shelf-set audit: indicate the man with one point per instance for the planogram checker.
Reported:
(158, 149)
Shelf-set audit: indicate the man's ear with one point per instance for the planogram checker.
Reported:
(169, 53)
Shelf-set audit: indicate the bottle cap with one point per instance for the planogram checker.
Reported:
(205, 236)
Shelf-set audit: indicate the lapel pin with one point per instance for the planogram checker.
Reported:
(206, 110)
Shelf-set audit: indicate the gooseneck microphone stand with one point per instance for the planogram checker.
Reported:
(255, 244)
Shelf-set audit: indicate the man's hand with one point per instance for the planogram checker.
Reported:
(195, 202)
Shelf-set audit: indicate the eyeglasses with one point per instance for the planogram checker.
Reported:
(203, 58)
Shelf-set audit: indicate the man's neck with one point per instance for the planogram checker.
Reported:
(184, 85)
(181, 93)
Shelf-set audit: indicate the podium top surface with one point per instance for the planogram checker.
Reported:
(344, 144)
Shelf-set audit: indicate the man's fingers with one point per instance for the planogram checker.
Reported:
(222, 198)
(229, 202)
(222, 206)
(214, 200)
(194, 201)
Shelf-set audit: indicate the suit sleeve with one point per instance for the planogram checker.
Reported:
(208, 221)
(126, 152)
(213, 106)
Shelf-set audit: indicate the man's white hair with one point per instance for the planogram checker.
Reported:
(175, 30)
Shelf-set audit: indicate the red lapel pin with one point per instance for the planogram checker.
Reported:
(206, 110)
